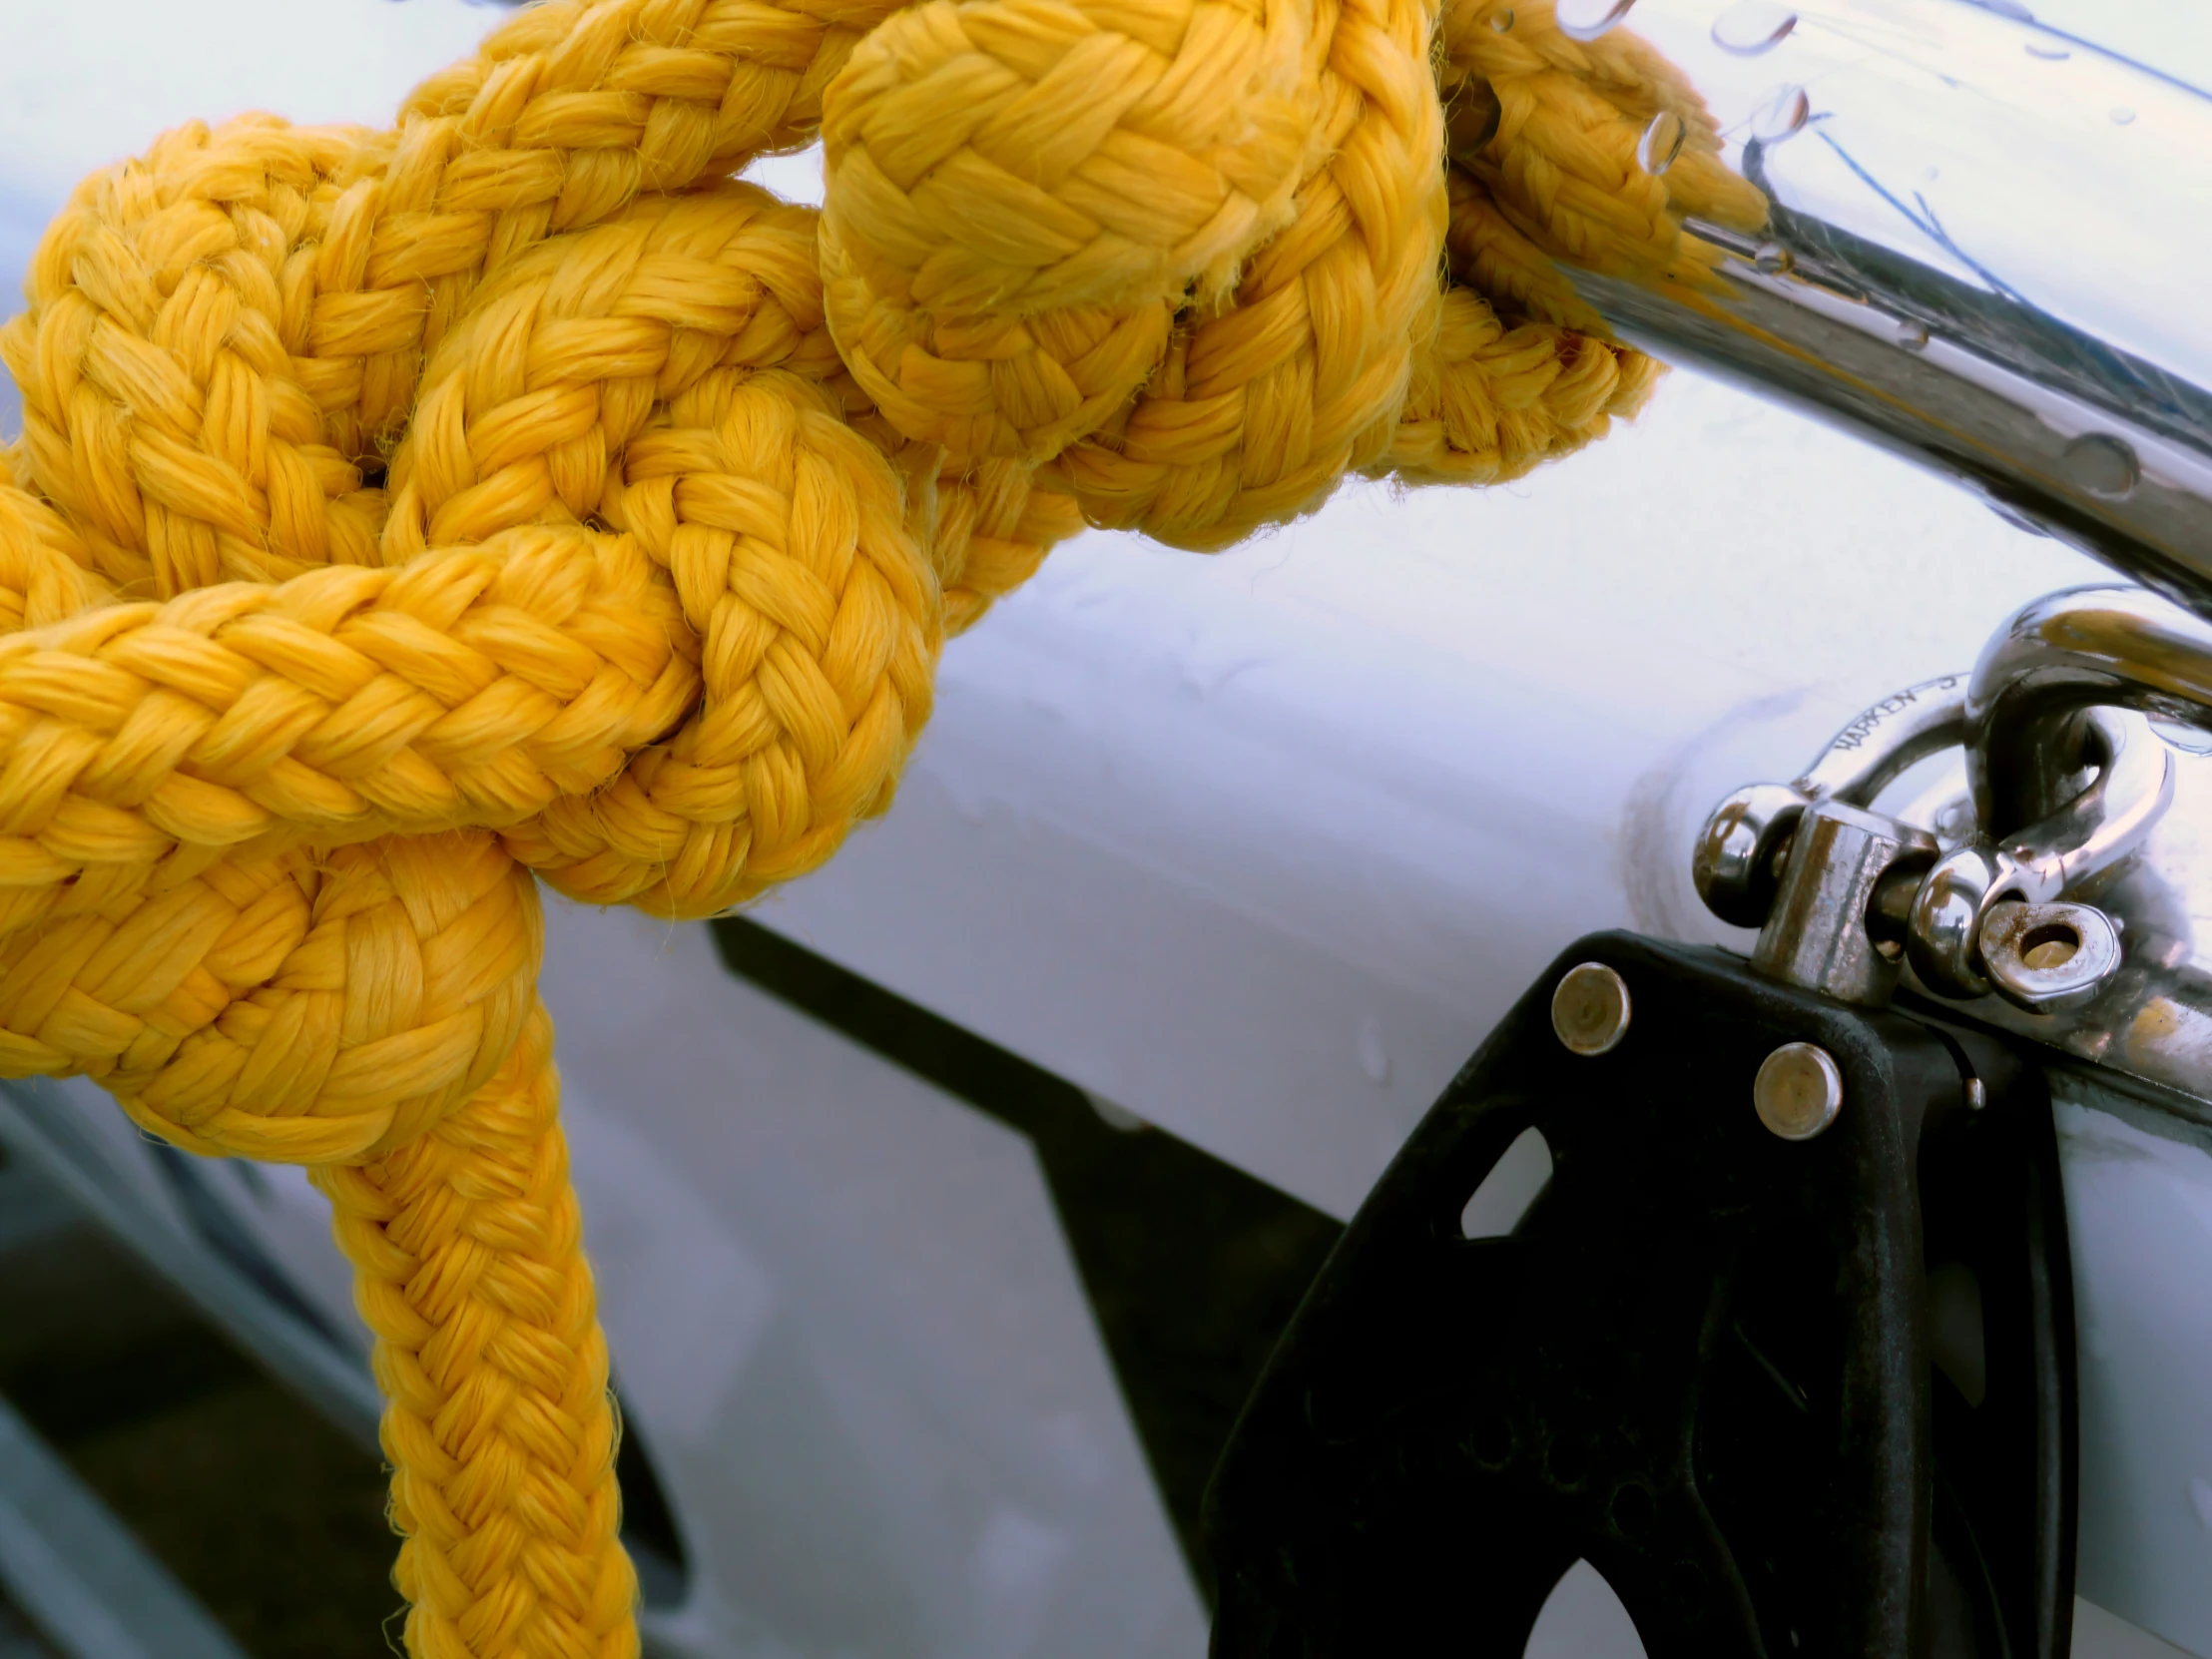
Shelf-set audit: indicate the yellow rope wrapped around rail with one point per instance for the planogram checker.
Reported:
(403, 517)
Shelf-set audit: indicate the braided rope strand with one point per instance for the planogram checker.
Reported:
(468, 1264)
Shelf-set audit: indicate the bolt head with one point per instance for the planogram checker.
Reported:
(1589, 1011)
(1798, 1091)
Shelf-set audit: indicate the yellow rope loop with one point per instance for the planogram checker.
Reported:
(1000, 517)
(405, 517)
(45, 568)
(162, 925)
(784, 531)
(1267, 398)
(1022, 191)
(306, 1012)
(572, 348)
(651, 94)
(1492, 403)
(475, 687)
(375, 242)
(1561, 167)
(173, 394)
(1544, 140)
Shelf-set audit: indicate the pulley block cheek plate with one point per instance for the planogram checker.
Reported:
(1700, 1361)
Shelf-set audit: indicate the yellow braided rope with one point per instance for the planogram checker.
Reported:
(403, 516)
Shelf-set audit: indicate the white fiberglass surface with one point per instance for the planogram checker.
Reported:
(848, 1326)
(1260, 844)
(2139, 1211)
(85, 85)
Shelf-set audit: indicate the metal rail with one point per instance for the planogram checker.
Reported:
(1984, 247)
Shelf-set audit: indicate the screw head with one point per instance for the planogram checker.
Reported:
(1798, 1091)
(1589, 1011)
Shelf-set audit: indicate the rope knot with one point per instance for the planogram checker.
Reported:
(514, 476)
(357, 1000)
(401, 518)
(1021, 196)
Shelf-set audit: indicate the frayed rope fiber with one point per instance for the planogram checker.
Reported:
(405, 517)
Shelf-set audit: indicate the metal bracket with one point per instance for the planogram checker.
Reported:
(1703, 1361)
(1842, 895)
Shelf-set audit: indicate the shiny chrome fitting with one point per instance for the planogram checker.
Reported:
(2066, 909)
(2049, 958)
(1826, 930)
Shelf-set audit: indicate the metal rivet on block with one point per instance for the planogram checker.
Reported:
(1798, 1091)
(1589, 1011)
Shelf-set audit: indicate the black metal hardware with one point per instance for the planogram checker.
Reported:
(1703, 1361)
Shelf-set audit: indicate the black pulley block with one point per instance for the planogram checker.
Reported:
(1743, 1376)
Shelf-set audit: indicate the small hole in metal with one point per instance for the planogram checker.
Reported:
(2051, 946)
(1513, 1183)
